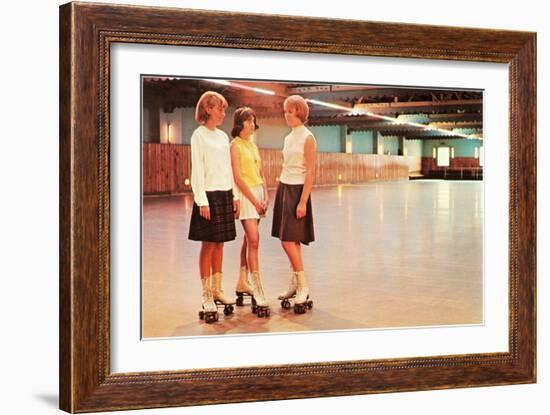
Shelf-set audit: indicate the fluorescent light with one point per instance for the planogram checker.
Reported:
(351, 111)
(329, 105)
(240, 86)
(218, 81)
(263, 91)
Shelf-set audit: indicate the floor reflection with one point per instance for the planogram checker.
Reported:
(387, 254)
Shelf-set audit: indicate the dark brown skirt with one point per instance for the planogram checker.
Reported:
(221, 226)
(286, 226)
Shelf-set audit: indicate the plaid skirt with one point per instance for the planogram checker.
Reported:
(221, 226)
(286, 226)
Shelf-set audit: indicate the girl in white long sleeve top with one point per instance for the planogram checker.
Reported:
(215, 205)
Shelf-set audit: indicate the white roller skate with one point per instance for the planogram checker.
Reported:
(209, 312)
(243, 288)
(219, 296)
(301, 300)
(260, 307)
(289, 293)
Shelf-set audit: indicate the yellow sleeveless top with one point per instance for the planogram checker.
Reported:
(250, 161)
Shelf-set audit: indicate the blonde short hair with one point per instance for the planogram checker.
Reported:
(300, 105)
(208, 100)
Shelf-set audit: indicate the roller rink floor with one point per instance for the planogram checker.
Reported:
(387, 255)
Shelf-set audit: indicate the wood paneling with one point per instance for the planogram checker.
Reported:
(415, 164)
(167, 166)
(460, 168)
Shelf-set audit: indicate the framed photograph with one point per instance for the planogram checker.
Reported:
(363, 151)
(415, 263)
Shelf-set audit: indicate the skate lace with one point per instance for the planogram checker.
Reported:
(256, 286)
(217, 290)
(244, 287)
(220, 296)
(302, 293)
(208, 301)
(293, 286)
(261, 291)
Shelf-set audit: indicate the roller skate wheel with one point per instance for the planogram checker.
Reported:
(267, 312)
(240, 301)
(310, 304)
(285, 304)
(201, 315)
(264, 312)
(227, 310)
(299, 308)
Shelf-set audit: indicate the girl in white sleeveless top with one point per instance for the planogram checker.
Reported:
(292, 210)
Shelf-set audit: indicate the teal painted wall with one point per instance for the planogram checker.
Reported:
(271, 133)
(414, 147)
(188, 124)
(328, 138)
(361, 142)
(391, 144)
(463, 148)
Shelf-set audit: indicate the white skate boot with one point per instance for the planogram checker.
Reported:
(243, 288)
(302, 301)
(209, 312)
(289, 293)
(259, 303)
(219, 296)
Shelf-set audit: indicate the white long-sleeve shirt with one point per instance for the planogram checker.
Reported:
(210, 164)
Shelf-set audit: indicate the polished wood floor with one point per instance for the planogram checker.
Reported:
(387, 254)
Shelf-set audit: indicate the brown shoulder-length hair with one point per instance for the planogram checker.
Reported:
(208, 100)
(239, 117)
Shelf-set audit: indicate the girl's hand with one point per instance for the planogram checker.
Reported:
(265, 203)
(236, 208)
(259, 208)
(205, 212)
(301, 210)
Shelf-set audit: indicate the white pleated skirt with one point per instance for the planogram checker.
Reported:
(248, 211)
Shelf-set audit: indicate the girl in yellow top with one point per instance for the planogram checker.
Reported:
(254, 199)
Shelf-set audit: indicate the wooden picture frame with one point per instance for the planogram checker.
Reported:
(86, 33)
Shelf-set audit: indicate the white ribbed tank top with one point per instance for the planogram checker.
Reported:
(294, 163)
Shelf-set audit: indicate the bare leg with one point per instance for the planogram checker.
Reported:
(217, 257)
(294, 253)
(243, 285)
(205, 258)
(244, 261)
(252, 240)
(260, 305)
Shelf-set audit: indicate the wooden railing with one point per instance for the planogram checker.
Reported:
(461, 168)
(167, 168)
